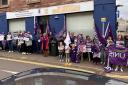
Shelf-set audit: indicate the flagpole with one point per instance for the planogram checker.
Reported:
(103, 20)
(107, 29)
(103, 26)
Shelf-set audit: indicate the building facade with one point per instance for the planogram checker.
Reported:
(75, 15)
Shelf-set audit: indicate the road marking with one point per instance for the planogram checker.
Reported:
(46, 65)
(55, 66)
(7, 71)
(117, 76)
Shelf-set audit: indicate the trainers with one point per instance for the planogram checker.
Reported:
(116, 69)
(23, 53)
(121, 70)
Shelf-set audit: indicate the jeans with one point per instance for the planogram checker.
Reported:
(38, 46)
(10, 45)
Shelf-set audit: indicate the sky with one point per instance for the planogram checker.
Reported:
(124, 9)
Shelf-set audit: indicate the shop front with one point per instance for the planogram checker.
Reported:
(80, 23)
(76, 17)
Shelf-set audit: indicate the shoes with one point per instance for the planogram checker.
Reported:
(10, 51)
(23, 53)
(116, 69)
(121, 70)
(69, 64)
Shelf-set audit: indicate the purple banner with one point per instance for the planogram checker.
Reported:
(118, 55)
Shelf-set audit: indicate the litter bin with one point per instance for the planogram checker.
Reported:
(54, 48)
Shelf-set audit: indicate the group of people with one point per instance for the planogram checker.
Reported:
(78, 49)
(21, 42)
(81, 48)
(121, 42)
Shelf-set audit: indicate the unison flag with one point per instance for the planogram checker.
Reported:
(118, 56)
(99, 35)
(63, 30)
(47, 27)
(109, 33)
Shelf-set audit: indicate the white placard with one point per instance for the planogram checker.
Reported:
(1, 37)
(26, 39)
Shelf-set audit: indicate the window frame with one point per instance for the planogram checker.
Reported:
(4, 6)
(32, 2)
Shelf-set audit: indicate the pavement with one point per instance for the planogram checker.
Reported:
(38, 60)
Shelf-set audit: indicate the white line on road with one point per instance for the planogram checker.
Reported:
(12, 72)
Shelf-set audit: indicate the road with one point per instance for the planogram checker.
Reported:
(8, 68)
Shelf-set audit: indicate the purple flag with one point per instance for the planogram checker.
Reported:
(47, 27)
(109, 33)
(64, 29)
(99, 35)
(118, 56)
(35, 25)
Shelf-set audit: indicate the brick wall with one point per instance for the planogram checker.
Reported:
(17, 5)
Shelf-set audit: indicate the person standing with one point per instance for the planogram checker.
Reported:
(38, 41)
(45, 44)
(61, 51)
(96, 53)
(73, 54)
(67, 55)
(28, 42)
(9, 41)
(3, 36)
(120, 44)
(23, 44)
(120, 41)
(20, 42)
(72, 37)
(88, 48)
(126, 40)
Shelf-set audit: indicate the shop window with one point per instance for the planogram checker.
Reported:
(4, 3)
(32, 1)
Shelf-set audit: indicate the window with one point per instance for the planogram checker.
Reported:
(33, 1)
(3, 3)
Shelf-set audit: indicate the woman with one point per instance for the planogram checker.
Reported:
(88, 48)
(9, 41)
(67, 55)
(45, 44)
(29, 42)
(20, 42)
(61, 51)
(81, 50)
(96, 53)
(119, 43)
(73, 54)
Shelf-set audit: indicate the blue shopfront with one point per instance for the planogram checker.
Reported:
(58, 16)
(3, 23)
